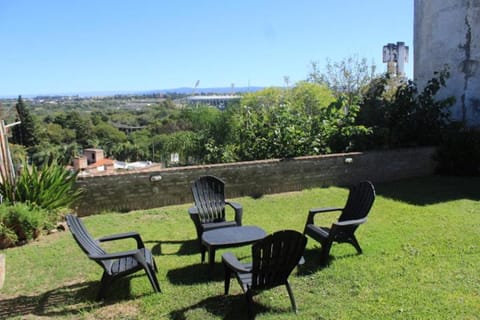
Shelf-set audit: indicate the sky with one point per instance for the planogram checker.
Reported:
(77, 46)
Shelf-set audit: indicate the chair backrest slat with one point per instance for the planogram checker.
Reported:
(209, 197)
(86, 242)
(274, 258)
(359, 202)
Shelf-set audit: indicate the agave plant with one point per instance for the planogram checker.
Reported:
(49, 187)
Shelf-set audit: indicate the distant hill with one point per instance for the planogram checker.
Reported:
(183, 90)
(224, 90)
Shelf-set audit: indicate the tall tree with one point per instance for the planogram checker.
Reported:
(310, 98)
(24, 133)
(347, 78)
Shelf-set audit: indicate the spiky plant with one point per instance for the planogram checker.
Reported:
(49, 187)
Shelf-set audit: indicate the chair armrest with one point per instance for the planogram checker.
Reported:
(193, 210)
(350, 222)
(195, 216)
(314, 211)
(237, 207)
(126, 235)
(322, 210)
(116, 255)
(232, 262)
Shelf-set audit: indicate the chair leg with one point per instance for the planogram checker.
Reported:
(292, 298)
(355, 243)
(202, 252)
(228, 275)
(249, 296)
(104, 284)
(153, 278)
(324, 255)
(154, 265)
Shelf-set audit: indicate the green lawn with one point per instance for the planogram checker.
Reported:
(421, 261)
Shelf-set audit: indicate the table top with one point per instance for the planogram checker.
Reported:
(232, 236)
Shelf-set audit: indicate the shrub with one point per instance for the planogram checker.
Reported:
(20, 223)
(8, 237)
(51, 187)
(404, 115)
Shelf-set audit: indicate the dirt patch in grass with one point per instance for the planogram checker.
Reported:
(126, 310)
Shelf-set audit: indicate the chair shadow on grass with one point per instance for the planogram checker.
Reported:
(187, 247)
(69, 300)
(199, 272)
(195, 274)
(311, 264)
(312, 261)
(229, 307)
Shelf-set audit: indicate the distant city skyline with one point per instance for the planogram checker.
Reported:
(70, 47)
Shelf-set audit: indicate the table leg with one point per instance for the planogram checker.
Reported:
(211, 261)
(202, 252)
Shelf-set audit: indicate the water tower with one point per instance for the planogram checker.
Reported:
(395, 56)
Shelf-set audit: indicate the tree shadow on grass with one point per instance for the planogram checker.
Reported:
(431, 190)
(62, 301)
(229, 307)
(69, 300)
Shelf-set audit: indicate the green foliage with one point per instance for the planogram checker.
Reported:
(19, 153)
(8, 237)
(406, 117)
(342, 108)
(78, 123)
(108, 136)
(304, 122)
(21, 222)
(277, 132)
(344, 134)
(269, 127)
(265, 98)
(128, 151)
(44, 151)
(51, 187)
(182, 142)
(310, 98)
(25, 132)
(347, 77)
(419, 119)
(211, 134)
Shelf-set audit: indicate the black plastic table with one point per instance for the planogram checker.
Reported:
(229, 237)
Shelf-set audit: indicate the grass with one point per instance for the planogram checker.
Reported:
(421, 261)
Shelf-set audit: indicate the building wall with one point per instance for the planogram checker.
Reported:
(447, 32)
(80, 163)
(151, 189)
(93, 155)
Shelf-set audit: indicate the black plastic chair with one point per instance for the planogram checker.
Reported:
(359, 203)
(273, 260)
(208, 213)
(115, 265)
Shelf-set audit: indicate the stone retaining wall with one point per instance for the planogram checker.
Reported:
(134, 190)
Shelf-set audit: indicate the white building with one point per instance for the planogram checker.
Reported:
(447, 32)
